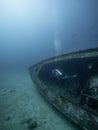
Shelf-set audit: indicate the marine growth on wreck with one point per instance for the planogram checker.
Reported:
(70, 83)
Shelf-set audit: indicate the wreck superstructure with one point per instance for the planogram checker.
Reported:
(77, 95)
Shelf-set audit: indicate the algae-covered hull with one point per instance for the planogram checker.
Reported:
(70, 83)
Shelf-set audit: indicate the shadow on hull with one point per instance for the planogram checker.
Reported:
(70, 83)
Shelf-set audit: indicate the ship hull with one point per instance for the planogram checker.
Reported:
(77, 96)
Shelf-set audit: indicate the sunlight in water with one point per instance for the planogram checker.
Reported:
(23, 7)
(17, 6)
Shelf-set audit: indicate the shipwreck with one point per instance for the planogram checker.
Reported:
(70, 83)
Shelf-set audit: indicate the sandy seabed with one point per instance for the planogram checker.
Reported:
(23, 108)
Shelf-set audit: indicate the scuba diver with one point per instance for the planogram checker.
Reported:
(59, 75)
(61, 79)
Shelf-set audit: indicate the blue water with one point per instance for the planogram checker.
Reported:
(32, 31)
